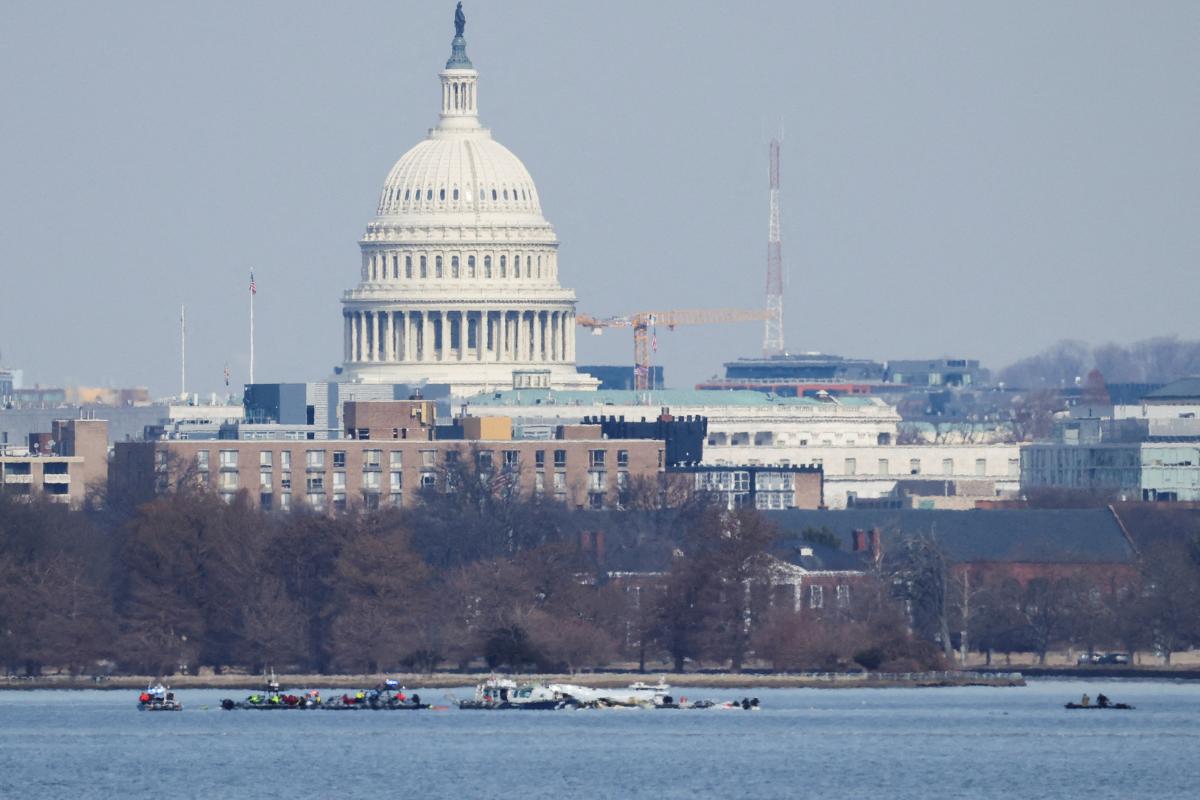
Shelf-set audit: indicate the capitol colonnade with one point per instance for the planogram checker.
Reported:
(432, 335)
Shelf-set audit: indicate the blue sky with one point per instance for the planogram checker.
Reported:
(958, 178)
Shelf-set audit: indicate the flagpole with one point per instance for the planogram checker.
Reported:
(182, 351)
(252, 293)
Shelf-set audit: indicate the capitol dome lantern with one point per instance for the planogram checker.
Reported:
(459, 275)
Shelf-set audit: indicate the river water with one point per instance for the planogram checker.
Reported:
(853, 743)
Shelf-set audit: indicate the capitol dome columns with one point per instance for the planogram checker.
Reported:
(521, 336)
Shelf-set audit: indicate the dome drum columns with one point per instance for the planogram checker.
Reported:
(432, 336)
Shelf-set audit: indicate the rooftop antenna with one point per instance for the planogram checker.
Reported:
(253, 291)
(183, 351)
(773, 327)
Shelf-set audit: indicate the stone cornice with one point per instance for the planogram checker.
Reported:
(379, 233)
(455, 302)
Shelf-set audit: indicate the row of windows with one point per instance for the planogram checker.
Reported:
(316, 501)
(372, 460)
(385, 266)
(596, 458)
(769, 439)
(313, 459)
(884, 467)
(317, 496)
(427, 193)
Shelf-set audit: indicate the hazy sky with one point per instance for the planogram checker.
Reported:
(957, 179)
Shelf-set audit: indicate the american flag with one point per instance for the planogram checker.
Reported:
(253, 289)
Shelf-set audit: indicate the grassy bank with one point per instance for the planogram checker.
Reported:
(822, 680)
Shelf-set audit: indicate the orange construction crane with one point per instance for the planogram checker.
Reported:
(643, 321)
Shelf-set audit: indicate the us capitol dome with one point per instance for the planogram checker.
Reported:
(459, 278)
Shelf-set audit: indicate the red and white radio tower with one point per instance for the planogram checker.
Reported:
(773, 334)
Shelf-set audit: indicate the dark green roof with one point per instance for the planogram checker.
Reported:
(1062, 536)
(1182, 389)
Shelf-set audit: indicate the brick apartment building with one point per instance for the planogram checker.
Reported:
(393, 450)
(60, 464)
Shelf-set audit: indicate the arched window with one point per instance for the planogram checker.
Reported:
(470, 266)
(453, 266)
(539, 272)
(424, 268)
(482, 196)
(506, 194)
(487, 266)
(395, 266)
(456, 193)
(493, 194)
(408, 267)
(437, 267)
(516, 266)
(429, 194)
(406, 193)
(503, 266)
(442, 194)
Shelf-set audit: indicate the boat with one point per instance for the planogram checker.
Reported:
(278, 701)
(1101, 702)
(504, 694)
(388, 696)
(158, 698)
(272, 699)
(745, 704)
(670, 702)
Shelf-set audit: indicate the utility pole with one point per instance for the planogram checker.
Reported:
(773, 328)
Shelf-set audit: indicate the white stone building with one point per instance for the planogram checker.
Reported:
(459, 278)
(749, 420)
(931, 475)
(851, 438)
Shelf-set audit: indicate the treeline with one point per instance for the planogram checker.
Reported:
(1154, 605)
(1157, 360)
(464, 579)
(475, 577)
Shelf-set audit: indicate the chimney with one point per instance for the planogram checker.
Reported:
(876, 546)
(860, 541)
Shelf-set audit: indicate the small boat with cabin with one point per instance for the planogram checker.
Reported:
(158, 698)
(505, 694)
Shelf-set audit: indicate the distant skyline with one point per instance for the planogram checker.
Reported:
(957, 179)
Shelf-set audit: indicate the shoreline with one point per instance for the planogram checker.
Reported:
(604, 680)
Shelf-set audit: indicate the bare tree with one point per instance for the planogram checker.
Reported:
(920, 573)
